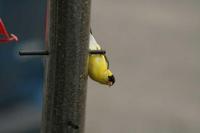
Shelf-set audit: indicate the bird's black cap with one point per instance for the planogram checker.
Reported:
(111, 79)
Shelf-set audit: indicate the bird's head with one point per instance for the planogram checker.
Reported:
(109, 78)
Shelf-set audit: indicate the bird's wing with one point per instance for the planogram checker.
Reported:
(107, 61)
(95, 46)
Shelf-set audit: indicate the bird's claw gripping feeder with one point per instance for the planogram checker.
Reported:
(5, 35)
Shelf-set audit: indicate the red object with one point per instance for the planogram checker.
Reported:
(6, 37)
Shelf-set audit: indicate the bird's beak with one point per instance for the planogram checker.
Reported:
(111, 80)
(110, 84)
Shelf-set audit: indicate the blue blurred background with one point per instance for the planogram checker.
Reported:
(21, 78)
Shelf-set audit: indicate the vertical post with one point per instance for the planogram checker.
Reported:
(66, 66)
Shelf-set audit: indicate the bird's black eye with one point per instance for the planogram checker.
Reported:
(111, 79)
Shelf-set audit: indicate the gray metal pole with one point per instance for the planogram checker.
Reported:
(66, 72)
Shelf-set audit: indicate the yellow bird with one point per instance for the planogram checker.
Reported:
(98, 67)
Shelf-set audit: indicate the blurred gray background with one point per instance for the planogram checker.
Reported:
(153, 48)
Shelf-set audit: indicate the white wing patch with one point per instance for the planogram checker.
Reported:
(93, 45)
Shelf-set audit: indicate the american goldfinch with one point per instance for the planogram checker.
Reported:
(98, 67)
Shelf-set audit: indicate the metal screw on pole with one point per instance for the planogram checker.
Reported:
(66, 66)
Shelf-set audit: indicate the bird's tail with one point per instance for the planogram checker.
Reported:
(93, 45)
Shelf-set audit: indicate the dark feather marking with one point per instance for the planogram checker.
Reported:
(107, 61)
